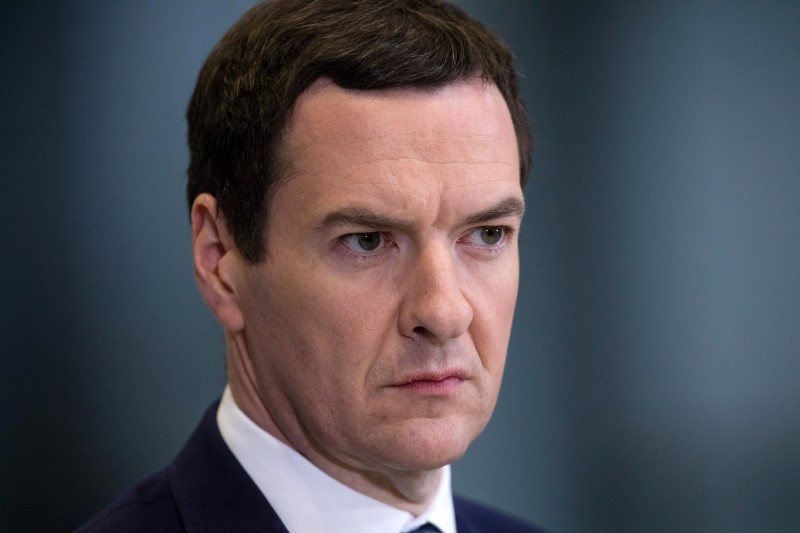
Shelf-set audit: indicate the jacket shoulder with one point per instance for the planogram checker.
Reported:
(147, 506)
(473, 517)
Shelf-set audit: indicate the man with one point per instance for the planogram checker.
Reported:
(356, 195)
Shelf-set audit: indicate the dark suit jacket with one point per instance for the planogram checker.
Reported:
(206, 489)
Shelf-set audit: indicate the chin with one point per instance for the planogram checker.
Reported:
(430, 445)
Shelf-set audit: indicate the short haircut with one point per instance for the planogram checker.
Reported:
(247, 88)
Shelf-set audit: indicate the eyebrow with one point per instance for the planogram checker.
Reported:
(510, 207)
(359, 216)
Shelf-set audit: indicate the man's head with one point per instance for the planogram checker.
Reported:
(372, 334)
(246, 91)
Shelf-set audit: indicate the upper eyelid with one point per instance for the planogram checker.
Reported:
(384, 234)
(507, 229)
(354, 234)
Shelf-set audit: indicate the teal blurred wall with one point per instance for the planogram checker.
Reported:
(652, 376)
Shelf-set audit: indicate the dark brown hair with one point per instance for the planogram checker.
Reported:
(247, 87)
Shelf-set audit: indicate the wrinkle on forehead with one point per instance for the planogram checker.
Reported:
(415, 184)
(475, 183)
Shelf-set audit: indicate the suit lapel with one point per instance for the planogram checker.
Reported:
(463, 523)
(212, 491)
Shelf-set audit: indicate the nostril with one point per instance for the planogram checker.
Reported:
(420, 330)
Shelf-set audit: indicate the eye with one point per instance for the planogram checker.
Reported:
(486, 236)
(491, 234)
(363, 242)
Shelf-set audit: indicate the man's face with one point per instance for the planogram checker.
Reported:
(378, 324)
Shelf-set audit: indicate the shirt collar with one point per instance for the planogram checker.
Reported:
(306, 498)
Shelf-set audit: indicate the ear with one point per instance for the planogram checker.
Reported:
(216, 260)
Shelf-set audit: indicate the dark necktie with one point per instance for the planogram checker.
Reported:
(427, 528)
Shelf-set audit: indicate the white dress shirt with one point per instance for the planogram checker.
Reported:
(306, 499)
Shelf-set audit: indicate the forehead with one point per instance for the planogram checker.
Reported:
(468, 108)
(398, 144)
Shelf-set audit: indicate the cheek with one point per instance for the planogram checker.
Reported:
(335, 328)
(495, 287)
(494, 304)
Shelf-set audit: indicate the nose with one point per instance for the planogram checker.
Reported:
(434, 306)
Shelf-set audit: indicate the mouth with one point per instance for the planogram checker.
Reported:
(436, 383)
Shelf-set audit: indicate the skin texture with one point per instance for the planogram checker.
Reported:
(372, 338)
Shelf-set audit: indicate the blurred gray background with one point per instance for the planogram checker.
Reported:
(652, 382)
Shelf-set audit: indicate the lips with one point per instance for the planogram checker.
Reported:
(433, 382)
